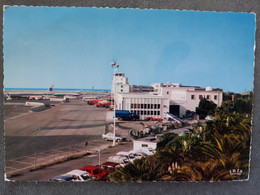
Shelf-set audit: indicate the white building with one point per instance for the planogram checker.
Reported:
(146, 143)
(120, 83)
(169, 97)
(143, 104)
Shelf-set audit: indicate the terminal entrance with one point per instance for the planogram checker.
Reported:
(175, 110)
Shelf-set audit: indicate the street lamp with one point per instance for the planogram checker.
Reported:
(115, 66)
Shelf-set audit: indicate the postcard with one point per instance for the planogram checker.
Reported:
(119, 95)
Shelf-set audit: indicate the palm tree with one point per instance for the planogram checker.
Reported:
(211, 170)
(144, 169)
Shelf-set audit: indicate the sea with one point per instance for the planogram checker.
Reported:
(56, 89)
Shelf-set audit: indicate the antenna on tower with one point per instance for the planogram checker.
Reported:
(114, 64)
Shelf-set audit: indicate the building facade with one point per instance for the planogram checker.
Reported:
(157, 99)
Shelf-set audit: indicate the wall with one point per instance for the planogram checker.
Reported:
(137, 145)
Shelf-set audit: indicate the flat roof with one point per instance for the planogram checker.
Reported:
(147, 139)
(141, 95)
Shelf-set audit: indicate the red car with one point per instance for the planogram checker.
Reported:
(93, 102)
(156, 119)
(101, 104)
(95, 171)
(110, 167)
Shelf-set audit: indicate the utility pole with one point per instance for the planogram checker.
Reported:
(115, 66)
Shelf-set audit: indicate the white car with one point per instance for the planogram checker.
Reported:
(185, 131)
(148, 151)
(137, 154)
(209, 118)
(119, 159)
(79, 175)
(110, 137)
(128, 155)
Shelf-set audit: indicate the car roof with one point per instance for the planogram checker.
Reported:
(90, 167)
(110, 163)
(76, 172)
(123, 153)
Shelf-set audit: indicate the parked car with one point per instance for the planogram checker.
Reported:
(185, 131)
(110, 137)
(93, 102)
(155, 119)
(103, 104)
(147, 151)
(94, 171)
(63, 178)
(109, 167)
(119, 159)
(128, 155)
(138, 154)
(209, 118)
(79, 175)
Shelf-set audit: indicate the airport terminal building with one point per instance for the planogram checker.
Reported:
(159, 98)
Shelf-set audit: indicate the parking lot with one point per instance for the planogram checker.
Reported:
(37, 138)
(64, 125)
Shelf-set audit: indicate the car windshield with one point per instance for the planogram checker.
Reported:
(85, 176)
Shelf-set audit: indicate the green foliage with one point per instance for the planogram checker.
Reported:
(208, 154)
(165, 139)
(205, 107)
(234, 102)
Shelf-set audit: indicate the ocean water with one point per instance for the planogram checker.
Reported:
(55, 89)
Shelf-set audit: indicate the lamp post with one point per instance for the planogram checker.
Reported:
(115, 66)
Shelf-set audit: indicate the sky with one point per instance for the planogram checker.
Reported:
(74, 47)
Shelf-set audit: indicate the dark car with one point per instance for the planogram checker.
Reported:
(62, 178)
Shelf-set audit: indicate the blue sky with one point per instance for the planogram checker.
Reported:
(73, 47)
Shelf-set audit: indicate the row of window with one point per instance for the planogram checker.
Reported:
(148, 106)
(201, 97)
(146, 112)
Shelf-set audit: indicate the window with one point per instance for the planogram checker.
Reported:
(121, 90)
(138, 112)
(167, 92)
(121, 86)
(148, 106)
(158, 112)
(158, 106)
(144, 145)
(215, 97)
(132, 105)
(145, 105)
(201, 97)
(142, 106)
(151, 112)
(135, 112)
(208, 96)
(151, 106)
(145, 112)
(155, 106)
(193, 97)
(138, 105)
(135, 106)
(142, 112)
(148, 112)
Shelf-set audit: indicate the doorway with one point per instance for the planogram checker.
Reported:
(175, 110)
